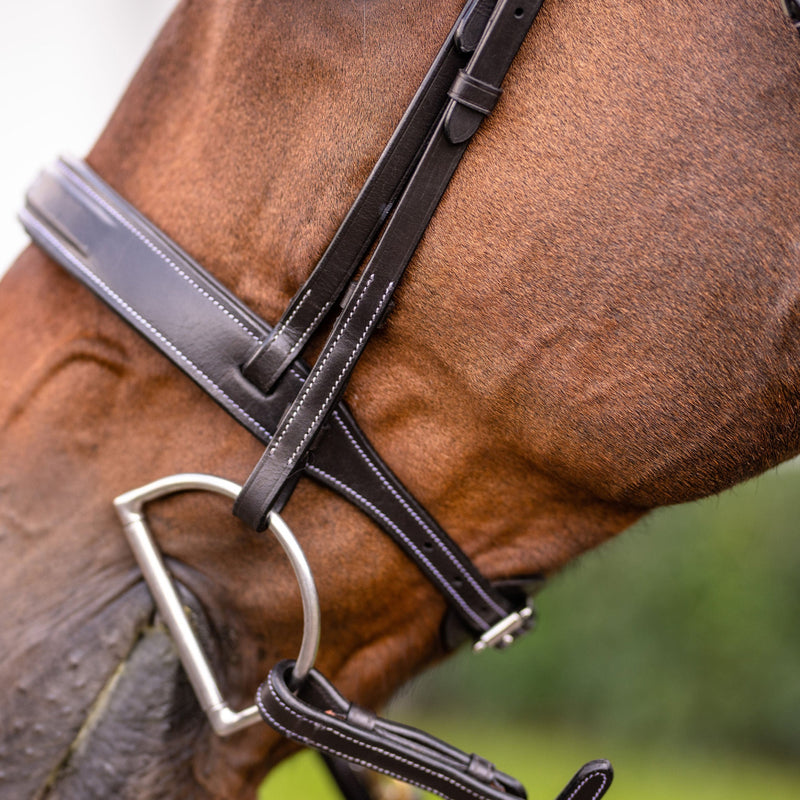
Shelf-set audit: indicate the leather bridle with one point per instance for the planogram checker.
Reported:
(255, 373)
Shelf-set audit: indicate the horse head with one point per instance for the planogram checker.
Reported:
(602, 318)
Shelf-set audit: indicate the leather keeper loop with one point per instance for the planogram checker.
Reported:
(361, 717)
(482, 769)
(471, 101)
(474, 93)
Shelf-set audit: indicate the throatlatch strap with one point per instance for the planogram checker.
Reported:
(319, 717)
(504, 33)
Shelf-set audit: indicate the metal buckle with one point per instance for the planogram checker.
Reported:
(129, 506)
(506, 632)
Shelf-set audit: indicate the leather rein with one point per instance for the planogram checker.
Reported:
(256, 374)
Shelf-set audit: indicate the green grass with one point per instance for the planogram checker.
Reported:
(302, 777)
(545, 760)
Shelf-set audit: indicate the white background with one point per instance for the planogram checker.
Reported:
(64, 64)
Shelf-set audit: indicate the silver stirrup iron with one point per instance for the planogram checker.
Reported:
(129, 506)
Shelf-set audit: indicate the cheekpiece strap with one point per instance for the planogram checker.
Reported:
(504, 34)
(359, 229)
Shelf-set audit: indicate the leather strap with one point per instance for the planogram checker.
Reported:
(590, 782)
(360, 227)
(349, 778)
(319, 717)
(504, 33)
(207, 332)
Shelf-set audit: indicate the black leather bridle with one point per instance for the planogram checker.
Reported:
(255, 373)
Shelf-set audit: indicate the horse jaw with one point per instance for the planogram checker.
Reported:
(97, 703)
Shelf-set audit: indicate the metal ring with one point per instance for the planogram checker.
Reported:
(129, 507)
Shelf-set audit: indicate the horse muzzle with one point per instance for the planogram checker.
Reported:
(97, 701)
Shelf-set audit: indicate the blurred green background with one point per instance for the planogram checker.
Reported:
(673, 650)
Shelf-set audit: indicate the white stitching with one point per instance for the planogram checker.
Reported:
(297, 344)
(419, 520)
(307, 386)
(328, 749)
(309, 329)
(141, 236)
(282, 326)
(394, 756)
(481, 624)
(341, 375)
(303, 335)
(120, 302)
(588, 778)
(117, 299)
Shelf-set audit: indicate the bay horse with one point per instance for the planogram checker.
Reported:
(602, 318)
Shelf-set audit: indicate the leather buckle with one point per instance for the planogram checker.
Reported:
(507, 631)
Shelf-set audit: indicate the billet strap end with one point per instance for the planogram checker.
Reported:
(590, 782)
(471, 24)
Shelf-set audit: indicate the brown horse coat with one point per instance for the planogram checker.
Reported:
(601, 318)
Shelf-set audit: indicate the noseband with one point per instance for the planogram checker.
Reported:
(255, 373)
